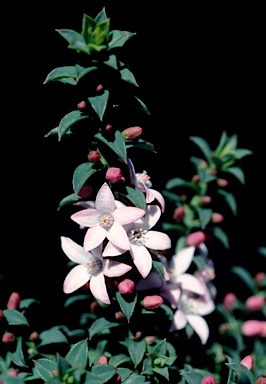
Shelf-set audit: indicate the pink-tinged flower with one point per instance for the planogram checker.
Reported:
(248, 362)
(114, 174)
(94, 156)
(141, 238)
(131, 133)
(152, 302)
(126, 287)
(255, 303)
(106, 220)
(13, 301)
(208, 380)
(196, 238)
(229, 301)
(254, 328)
(142, 181)
(91, 267)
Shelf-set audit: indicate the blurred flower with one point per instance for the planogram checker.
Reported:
(132, 133)
(106, 220)
(13, 301)
(196, 238)
(255, 303)
(253, 328)
(217, 218)
(91, 267)
(152, 302)
(222, 183)
(229, 301)
(141, 239)
(248, 362)
(114, 174)
(195, 179)
(179, 214)
(259, 277)
(205, 200)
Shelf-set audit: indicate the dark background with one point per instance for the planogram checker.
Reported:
(201, 71)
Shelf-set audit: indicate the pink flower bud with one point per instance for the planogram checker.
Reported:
(196, 238)
(152, 302)
(255, 303)
(261, 380)
(103, 360)
(95, 307)
(222, 183)
(179, 214)
(229, 301)
(248, 362)
(94, 156)
(85, 191)
(132, 133)
(12, 372)
(195, 179)
(34, 336)
(114, 174)
(82, 106)
(217, 218)
(254, 328)
(13, 301)
(138, 335)
(126, 287)
(116, 379)
(108, 128)
(8, 338)
(99, 88)
(205, 200)
(259, 277)
(208, 380)
(119, 316)
(55, 372)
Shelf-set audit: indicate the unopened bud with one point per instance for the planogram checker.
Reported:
(248, 362)
(261, 380)
(94, 156)
(152, 302)
(259, 277)
(34, 336)
(126, 287)
(196, 238)
(8, 338)
(108, 128)
(138, 335)
(85, 191)
(224, 328)
(12, 372)
(150, 340)
(205, 200)
(82, 106)
(213, 172)
(55, 372)
(94, 307)
(254, 328)
(195, 179)
(222, 183)
(217, 218)
(255, 303)
(179, 214)
(203, 164)
(208, 380)
(116, 379)
(119, 316)
(229, 301)
(99, 88)
(114, 175)
(131, 133)
(13, 301)
(103, 360)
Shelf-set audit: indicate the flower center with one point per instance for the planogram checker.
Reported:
(94, 266)
(189, 304)
(106, 220)
(137, 236)
(144, 178)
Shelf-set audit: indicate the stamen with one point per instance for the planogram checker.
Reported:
(106, 220)
(144, 178)
(94, 266)
(137, 236)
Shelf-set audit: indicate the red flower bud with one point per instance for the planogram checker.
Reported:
(85, 191)
(12, 372)
(13, 301)
(132, 133)
(108, 128)
(217, 218)
(208, 380)
(99, 88)
(254, 328)
(255, 303)
(8, 338)
(248, 362)
(82, 106)
(222, 183)
(229, 301)
(261, 380)
(152, 302)
(126, 287)
(114, 174)
(196, 238)
(94, 156)
(103, 360)
(179, 214)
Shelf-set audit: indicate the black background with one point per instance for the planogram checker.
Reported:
(201, 71)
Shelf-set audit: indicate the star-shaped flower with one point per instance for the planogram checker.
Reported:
(106, 220)
(142, 239)
(91, 267)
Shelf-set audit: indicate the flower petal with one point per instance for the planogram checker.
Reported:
(206, 307)
(126, 215)
(190, 283)
(94, 237)
(157, 240)
(179, 321)
(159, 197)
(142, 259)
(74, 251)
(98, 288)
(200, 326)
(76, 278)
(112, 250)
(114, 268)
(182, 260)
(105, 201)
(172, 293)
(151, 217)
(87, 217)
(118, 236)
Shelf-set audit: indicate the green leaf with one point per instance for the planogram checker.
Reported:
(81, 174)
(143, 106)
(68, 200)
(90, 378)
(44, 367)
(128, 76)
(101, 33)
(242, 371)
(136, 197)
(68, 121)
(262, 251)
(136, 379)
(119, 38)
(117, 144)
(116, 360)
(112, 62)
(12, 379)
(205, 215)
(88, 25)
(178, 182)
(172, 354)
(239, 153)
(14, 317)
(74, 299)
(25, 303)
(124, 372)
(181, 243)
(17, 356)
(158, 266)
(78, 354)
(136, 350)
(192, 377)
(245, 276)
(127, 304)
(162, 371)
(100, 325)
(61, 72)
(230, 200)
(101, 16)
(82, 71)
(52, 336)
(103, 372)
(76, 40)
(237, 172)
(203, 146)
(99, 103)
(221, 235)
